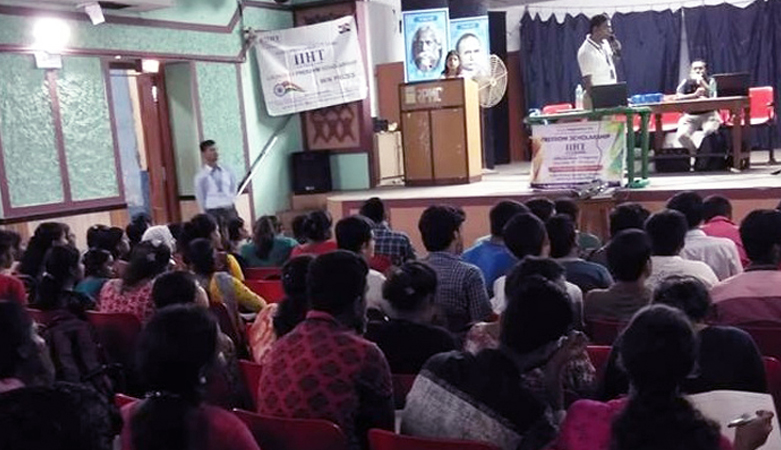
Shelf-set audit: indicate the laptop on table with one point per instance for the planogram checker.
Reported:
(609, 95)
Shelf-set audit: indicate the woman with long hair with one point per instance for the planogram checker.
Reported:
(98, 268)
(133, 292)
(175, 353)
(203, 226)
(317, 230)
(452, 65)
(658, 351)
(277, 319)
(268, 247)
(62, 271)
(47, 235)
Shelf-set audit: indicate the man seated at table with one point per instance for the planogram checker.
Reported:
(694, 87)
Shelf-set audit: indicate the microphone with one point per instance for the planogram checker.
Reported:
(615, 44)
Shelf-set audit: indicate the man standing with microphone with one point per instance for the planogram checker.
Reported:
(596, 56)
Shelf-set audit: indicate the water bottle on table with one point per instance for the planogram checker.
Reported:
(579, 94)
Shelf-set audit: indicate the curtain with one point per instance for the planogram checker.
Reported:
(732, 39)
(651, 47)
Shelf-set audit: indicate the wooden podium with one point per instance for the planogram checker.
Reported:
(440, 124)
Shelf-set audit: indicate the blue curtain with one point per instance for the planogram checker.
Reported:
(650, 57)
(651, 42)
(732, 39)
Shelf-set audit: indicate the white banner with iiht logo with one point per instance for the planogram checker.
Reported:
(311, 67)
(570, 155)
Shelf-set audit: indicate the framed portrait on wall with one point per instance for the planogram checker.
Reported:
(426, 38)
(469, 37)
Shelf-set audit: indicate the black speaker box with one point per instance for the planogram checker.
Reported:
(311, 172)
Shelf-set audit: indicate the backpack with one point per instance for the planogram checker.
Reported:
(75, 353)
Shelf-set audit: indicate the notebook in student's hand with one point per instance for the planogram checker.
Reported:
(726, 406)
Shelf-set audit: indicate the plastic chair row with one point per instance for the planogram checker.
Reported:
(270, 290)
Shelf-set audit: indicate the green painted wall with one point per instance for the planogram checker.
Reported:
(184, 124)
(350, 172)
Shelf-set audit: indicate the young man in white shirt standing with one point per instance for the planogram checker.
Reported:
(596, 56)
(215, 187)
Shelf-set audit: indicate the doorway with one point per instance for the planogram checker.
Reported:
(145, 144)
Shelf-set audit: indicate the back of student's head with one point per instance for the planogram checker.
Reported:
(67, 417)
(411, 287)
(538, 312)
(530, 266)
(175, 350)
(716, 205)
(174, 288)
(628, 216)
(147, 260)
(200, 256)
(106, 238)
(353, 233)
(61, 267)
(628, 254)
(438, 225)
(524, 235)
(374, 210)
(263, 236)
(160, 234)
(690, 204)
(94, 235)
(658, 350)
(562, 235)
(135, 229)
(502, 212)
(297, 227)
(568, 206)
(201, 226)
(234, 228)
(317, 226)
(293, 308)
(667, 230)
(46, 235)
(96, 263)
(686, 293)
(760, 232)
(336, 281)
(16, 338)
(543, 208)
(9, 247)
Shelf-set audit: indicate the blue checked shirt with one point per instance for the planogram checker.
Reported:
(393, 244)
(461, 294)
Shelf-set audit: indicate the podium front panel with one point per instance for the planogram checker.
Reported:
(449, 136)
(417, 146)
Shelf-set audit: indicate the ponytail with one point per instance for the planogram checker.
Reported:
(60, 264)
(263, 238)
(166, 421)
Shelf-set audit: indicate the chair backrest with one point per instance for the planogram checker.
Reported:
(121, 400)
(381, 263)
(385, 440)
(251, 372)
(263, 273)
(275, 433)
(38, 316)
(229, 326)
(603, 332)
(767, 338)
(773, 377)
(556, 108)
(117, 333)
(402, 383)
(270, 290)
(761, 100)
(599, 354)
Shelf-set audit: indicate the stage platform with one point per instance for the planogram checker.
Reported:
(748, 190)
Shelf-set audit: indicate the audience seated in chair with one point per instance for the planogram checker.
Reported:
(47, 235)
(113, 240)
(317, 231)
(269, 248)
(586, 242)
(667, 230)
(625, 216)
(393, 244)
(461, 294)
(717, 222)
(407, 337)
(160, 234)
(629, 259)
(727, 357)
(355, 234)
(579, 373)
(563, 248)
(98, 269)
(204, 226)
(659, 351)
(754, 295)
(541, 207)
(278, 319)
(177, 347)
(525, 236)
(491, 255)
(490, 396)
(24, 357)
(720, 254)
(323, 368)
(139, 223)
(133, 292)
(11, 287)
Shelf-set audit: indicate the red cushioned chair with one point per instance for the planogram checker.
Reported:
(42, 317)
(270, 290)
(274, 433)
(599, 354)
(263, 273)
(557, 108)
(117, 334)
(385, 440)
(763, 111)
(402, 383)
(767, 336)
(603, 332)
(228, 325)
(121, 400)
(381, 263)
(251, 372)
(773, 376)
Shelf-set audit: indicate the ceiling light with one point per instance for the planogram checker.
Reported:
(51, 35)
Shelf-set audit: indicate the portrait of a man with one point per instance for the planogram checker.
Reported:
(427, 48)
(470, 51)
